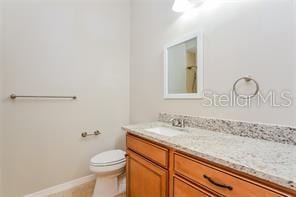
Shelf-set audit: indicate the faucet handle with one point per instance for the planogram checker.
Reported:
(176, 122)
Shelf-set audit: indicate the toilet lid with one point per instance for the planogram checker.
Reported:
(108, 157)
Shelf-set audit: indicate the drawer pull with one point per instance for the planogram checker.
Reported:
(217, 184)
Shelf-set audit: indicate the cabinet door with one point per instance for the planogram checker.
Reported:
(144, 178)
(184, 188)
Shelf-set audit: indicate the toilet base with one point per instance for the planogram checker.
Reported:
(108, 186)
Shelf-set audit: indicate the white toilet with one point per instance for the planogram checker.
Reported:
(108, 167)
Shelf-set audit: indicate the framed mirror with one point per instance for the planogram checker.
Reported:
(183, 68)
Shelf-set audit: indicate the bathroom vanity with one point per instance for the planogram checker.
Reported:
(203, 163)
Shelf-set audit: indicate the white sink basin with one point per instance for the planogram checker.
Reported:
(168, 132)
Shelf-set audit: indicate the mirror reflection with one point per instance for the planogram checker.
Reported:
(182, 67)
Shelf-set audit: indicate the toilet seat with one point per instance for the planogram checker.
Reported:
(108, 158)
(107, 164)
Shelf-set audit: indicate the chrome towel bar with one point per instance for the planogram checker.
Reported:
(13, 97)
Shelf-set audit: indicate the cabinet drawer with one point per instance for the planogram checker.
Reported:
(218, 180)
(149, 150)
(183, 188)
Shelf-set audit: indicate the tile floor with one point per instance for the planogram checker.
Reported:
(86, 190)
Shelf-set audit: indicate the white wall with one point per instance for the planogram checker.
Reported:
(242, 37)
(63, 47)
(294, 30)
(1, 107)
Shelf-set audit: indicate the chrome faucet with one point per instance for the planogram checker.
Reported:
(178, 122)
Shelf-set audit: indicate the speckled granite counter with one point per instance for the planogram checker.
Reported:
(272, 161)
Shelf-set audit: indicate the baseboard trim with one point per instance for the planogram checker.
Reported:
(62, 187)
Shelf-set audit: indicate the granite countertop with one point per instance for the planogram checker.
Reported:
(271, 161)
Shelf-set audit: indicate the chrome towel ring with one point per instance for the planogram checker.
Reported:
(247, 79)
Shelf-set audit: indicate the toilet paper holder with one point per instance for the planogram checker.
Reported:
(95, 133)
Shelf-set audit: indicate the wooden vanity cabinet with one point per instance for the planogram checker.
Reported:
(154, 170)
(147, 173)
(145, 179)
